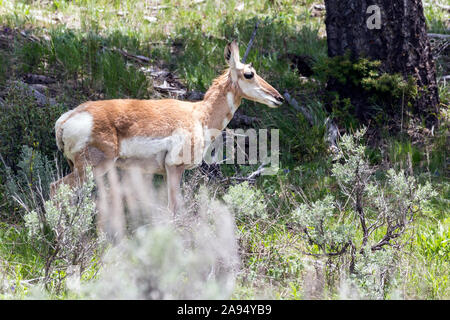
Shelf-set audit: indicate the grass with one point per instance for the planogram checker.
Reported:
(75, 42)
(436, 19)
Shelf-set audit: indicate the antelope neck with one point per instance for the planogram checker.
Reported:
(220, 103)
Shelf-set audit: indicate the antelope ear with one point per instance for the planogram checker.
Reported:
(231, 54)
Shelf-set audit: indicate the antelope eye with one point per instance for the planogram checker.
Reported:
(249, 75)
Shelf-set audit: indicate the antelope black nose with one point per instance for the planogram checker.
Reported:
(280, 98)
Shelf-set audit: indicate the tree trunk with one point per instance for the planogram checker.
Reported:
(399, 41)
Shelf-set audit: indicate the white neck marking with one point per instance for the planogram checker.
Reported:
(231, 104)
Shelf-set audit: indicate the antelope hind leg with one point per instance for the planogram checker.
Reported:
(173, 177)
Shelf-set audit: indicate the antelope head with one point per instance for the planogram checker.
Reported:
(249, 84)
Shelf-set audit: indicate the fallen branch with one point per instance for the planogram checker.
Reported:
(250, 178)
(166, 88)
(31, 38)
(139, 58)
(250, 43)
(197, 2)
(157, 7)
(38, 79)
(320, 7)
(126, 54)
(257, 173)
(439, 35)
(332, 129)
(332, 133)
(444, 78)
(291, 101)
(443, 6)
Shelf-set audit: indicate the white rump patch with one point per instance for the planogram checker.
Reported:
(76, 132)
(62, 118)
(58, 123)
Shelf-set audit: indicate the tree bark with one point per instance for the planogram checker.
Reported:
(400, 43)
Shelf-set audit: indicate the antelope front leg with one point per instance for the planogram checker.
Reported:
(174, 174)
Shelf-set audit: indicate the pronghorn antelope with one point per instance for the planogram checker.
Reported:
(152, 134)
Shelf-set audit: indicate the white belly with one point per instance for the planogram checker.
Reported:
(152, 154)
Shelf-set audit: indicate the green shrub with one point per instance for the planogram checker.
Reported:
(365, 74)
(374, 273)
(28, 142)
(64, 230)
(369, 214)
(24, 123)
(247, 202)
(320, 228)
(29, 186)
(363, 80)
